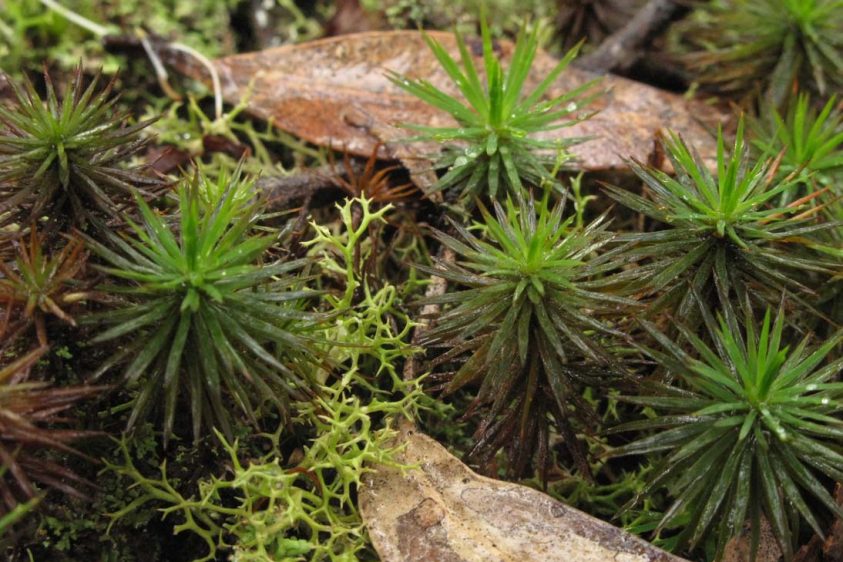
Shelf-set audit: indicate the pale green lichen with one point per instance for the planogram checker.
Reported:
(268, 511)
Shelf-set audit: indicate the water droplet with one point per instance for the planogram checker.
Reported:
(572, 106)
(460, 161)
(811, 387)
(825, 401)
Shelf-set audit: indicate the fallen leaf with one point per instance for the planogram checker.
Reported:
(833, 547)
(219, 143)
(334, 92)
(443, 511)
(351, 17)
(830, 548)
(167, 158)
(739, 548)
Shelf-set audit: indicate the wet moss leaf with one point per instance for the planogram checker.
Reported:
(441, 510)
(335, 92)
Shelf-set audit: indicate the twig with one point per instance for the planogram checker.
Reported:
(160, 72)
(619, 50)
(282, 189)
(437, 287)
(83, 22)
(212, 70)
(149, 48)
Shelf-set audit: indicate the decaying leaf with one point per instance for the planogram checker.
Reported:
(443, 511)
(739, 549)
(334, 92)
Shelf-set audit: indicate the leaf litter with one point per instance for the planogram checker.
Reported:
(335, 93)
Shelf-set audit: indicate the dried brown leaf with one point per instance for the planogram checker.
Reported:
(334, 92)
(443, 511)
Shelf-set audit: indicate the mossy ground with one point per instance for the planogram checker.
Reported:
(286, 490)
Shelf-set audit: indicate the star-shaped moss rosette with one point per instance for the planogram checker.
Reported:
(767, 46)
(721, 233)
(66, 151)
(29, 414)
(205, 318)
(494, 149)
(748, 430)
(38, 286)
(529, 313)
